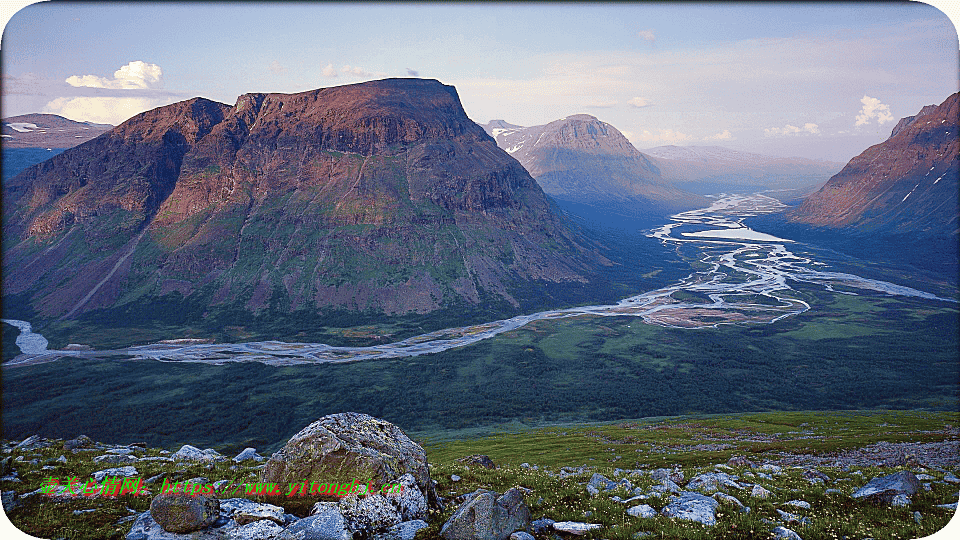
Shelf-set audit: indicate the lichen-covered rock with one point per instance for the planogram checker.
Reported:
(192, 453)
(247, 454)
(642, 510)
(368, 515)
(479, 459)
(179, 513)
(487, 516)
(350, 446)
(245, 511)
(402, 531)
(409, 501)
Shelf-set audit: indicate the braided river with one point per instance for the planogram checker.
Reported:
(740, 276)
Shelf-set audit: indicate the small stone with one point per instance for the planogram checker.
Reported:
(760, 492)
(786, 534)
(798, 504)
(900, 500)
(642, 511)
(404, 531)
(575, 527)
(454, 478)
(521, 535)
(692, 506)
(917, 516)
(479, 459)
(120, 471)
(248, 454)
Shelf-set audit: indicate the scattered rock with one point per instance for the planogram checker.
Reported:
(575, 527)
(368, 515)
(192, 453)
(404, 531)
(642, 510)
(119, 471)
(248, 454)
(882, 490)
(179, 513)
(410, 501)
(487, 516)
(479, 459)
(245, 511)
(325, 525)
(798, 504)
(454, 478)
(257, 530)
(692, 506)
(786, 534)
(541, 525)
(115, 459)
(521, 535)
(760, 492)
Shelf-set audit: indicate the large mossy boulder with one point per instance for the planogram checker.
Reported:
(346, 447)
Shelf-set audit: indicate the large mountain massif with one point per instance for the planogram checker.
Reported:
(378, 197)
(584, 161)
(896, 199)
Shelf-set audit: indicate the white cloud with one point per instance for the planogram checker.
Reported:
(329, 71)
(101, 110)
(639, 102)
(724, 135)
(664, 136)
(647, 35)
(873, 109)
(356, 71)
(136, 75)
(807, 129)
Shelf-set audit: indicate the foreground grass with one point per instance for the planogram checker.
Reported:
(555, 463)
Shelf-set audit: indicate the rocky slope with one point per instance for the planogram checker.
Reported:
(378, 197)
(715, 169)
(906, 184)
(582, 160)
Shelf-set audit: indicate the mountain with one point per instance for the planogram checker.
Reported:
(895, 201)
(715, 169)
(584, 161)
(48, 131)
(379, 197)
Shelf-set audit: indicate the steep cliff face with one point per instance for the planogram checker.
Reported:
(583, 160)
(380, 196)
(904, 185)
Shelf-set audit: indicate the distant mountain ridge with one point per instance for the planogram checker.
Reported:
(373, 197)
(713, 169)
(582, 160)
(38, 130)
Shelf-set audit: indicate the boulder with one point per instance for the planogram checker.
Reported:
(98, 476)
(487, 516)
(179, 513)
(80, 442)
(248, 454)
(325, 524)
(245, 511)
(479, 459)
(257, 530)
(192, 453)
(883, 489)
(692, 506)
(409, 501)
(344, 447)
(785, 534)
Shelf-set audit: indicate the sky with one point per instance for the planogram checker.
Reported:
(816, 80)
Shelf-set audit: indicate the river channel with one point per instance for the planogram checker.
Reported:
(741, 276)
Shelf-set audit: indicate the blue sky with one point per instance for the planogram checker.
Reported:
(821, 80)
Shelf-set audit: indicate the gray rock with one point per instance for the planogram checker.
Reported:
(368, 515)
(760, 492)
(798, 504)
(600, 482)
(711, 481)
(786, 534)
(80, 442)
(917, 516)
(642, 510)
(410, 501)
(404, 531)
(541, 525)
(729, 499)
(740, 461)
(949, 477)
(32, 443)
(248, 454)
(115, 459)
(674, 475)
(486, 516)
(900, 500)
(454, 478)
(9, 501)
(350, 446)
(180, 513)
(575, 527)
(479, 459)
(521, 535)
(245, 511)
(192, 453)
(62, 459)
(882, 490)
(263, 529)
(692, 506)
(119, 471)
(788, 517)
(325, 525)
